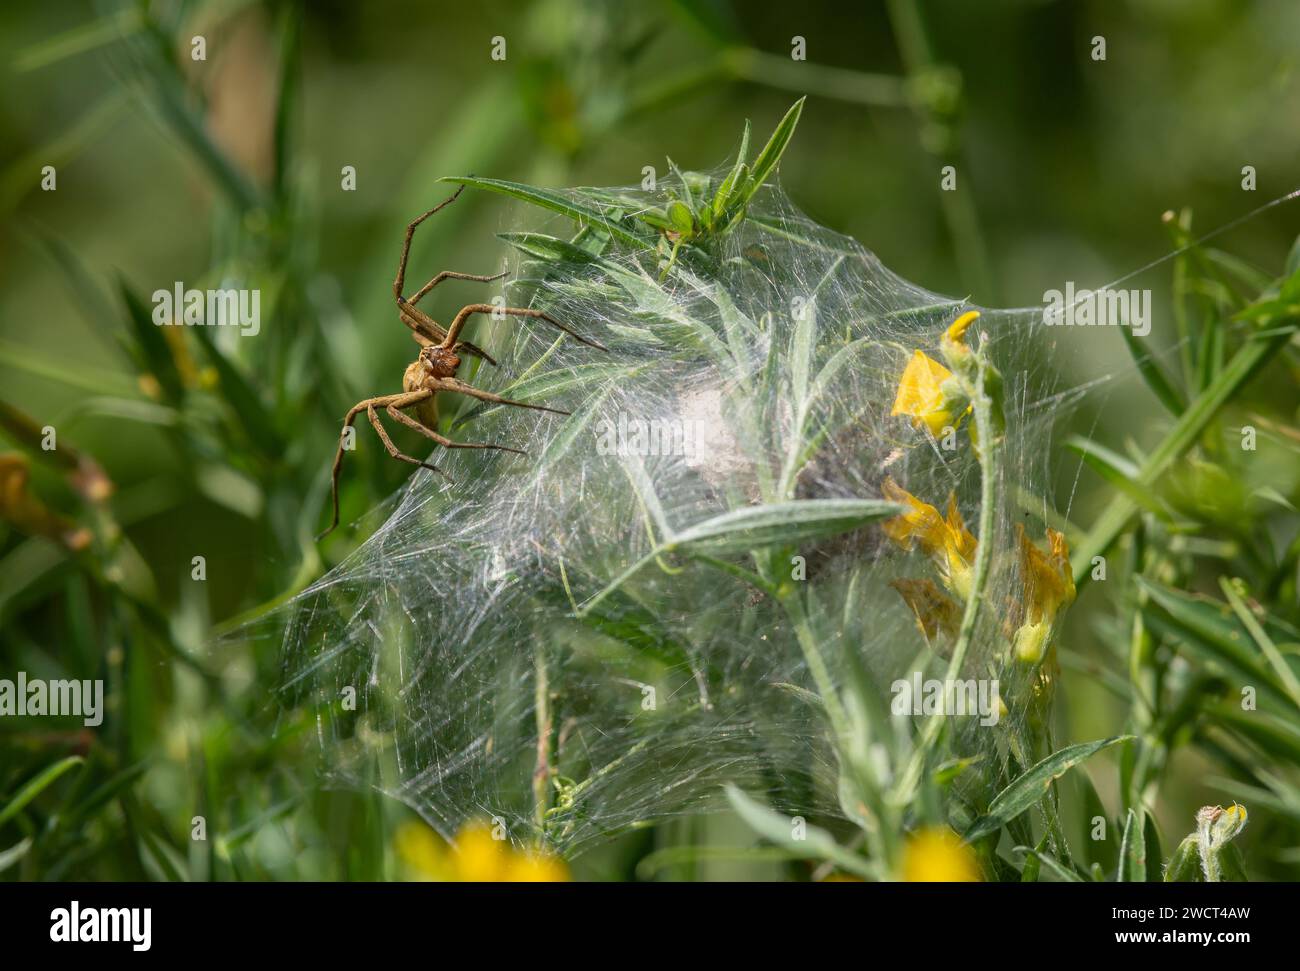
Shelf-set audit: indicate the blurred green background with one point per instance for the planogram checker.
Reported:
(227, 170)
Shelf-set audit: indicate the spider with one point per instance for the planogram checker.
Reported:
(434, 370)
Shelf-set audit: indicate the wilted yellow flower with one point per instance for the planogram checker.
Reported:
(920, 394)
(936, 855)
(1048, 586)
(946, 540)
(935, 611)
(475, 858)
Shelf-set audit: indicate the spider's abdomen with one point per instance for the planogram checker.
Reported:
(426, 412)
(416, 378)
(413, 379)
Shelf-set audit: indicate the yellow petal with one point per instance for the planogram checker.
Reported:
(422, 851)
(537, 868)
(956, 331)
(1046, 577)
(919, 393)
(935, 611)
(479, 857)
(961, 540)
(920, 523)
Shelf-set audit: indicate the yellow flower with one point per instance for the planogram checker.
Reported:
(935, 611)
(1048, 586)
(920, 394)
(945, 540)
(936, 855)
(475, 858)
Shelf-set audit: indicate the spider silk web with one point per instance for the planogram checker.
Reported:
(516, 650)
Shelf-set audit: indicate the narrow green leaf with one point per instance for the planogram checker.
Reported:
(1262, 640)
(150, 348)
(1152, 373)
(1133, 849)
(38, 784)
(1211, 630)
(548, 248)
(817, 843)
(771, 154)
(1151, 835)
(1033, 785)
(741, 530)
(1052, 864)
(80, 39)
(253, 416)
(1119, 472)
(15, 853)
(1191, 423)
(287, 98)
(783, 523)
(584, 215)
(802, 343)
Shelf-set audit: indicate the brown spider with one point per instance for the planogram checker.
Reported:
(435, 368)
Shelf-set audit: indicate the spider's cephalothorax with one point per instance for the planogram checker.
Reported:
(434, 370)
(434, 362)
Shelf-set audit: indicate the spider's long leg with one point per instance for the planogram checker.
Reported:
(406, 243)
(428, 432)
(460, 387)
(453, 275)
(426, 331)
(485, 308)
(403, 400)
(393, 450)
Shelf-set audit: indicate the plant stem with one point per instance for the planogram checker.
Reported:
(989, 457)
(542, 773)
(817, 667)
